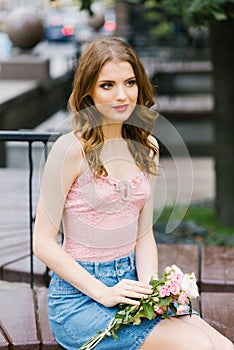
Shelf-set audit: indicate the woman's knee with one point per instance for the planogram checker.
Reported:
(185, 333)
(213, 343)
(227, 344)
(201, 342)
(206, 343)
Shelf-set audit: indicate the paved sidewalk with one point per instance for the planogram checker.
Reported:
(185, 180)
(10, 89)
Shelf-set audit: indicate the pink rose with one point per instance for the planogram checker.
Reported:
(182, 298)
(174, 289)
(168, 283)
(164, 291)
(160, 309)
(176, 277)
(181, 309)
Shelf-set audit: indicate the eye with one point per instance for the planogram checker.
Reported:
(131, 82)
(106, 86)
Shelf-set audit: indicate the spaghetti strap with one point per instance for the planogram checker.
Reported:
(81, 147)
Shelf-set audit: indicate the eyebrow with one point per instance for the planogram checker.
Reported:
(112, 81)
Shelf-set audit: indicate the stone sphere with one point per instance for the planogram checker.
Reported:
(24, 28)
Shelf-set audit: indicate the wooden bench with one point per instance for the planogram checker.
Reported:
(23, 312)
(218, 310)
(217, 269)
(24, 318)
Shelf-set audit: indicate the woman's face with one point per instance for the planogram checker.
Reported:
(115, 92)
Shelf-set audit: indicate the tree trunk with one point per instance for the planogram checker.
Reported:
(222, 55)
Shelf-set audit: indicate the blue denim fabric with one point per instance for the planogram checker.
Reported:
(75, 317)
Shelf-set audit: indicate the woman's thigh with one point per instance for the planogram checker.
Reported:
(185, 333)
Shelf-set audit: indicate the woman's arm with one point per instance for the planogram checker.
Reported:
(63, 166)
(146, 248)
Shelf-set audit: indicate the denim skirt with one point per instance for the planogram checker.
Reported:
(75, 317)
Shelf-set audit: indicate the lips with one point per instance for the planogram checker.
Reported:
(121, 108)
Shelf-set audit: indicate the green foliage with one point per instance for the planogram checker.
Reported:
(199, 12)
(163, 29)
(149, 311)
(86, 5)
(208, 11)
(204, 216)
(192, 12)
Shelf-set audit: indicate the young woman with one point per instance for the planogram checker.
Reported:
(99, 181)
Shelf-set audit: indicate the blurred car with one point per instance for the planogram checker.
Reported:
(66, 24)
(57, 27)
(109, 25)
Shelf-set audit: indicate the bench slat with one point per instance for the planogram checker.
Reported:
(46, 336)
(4, 345)
(17, 314)
(10, 254)
(27, 329)
(185, 256)
(217, 269)
(218, 310)
(196, 305)
(19, 271)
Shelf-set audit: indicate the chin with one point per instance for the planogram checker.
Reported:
(119, 119)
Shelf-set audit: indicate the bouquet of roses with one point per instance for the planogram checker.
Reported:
(173, 292)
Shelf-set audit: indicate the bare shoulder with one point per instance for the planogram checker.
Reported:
(67, 147)
(66, 155)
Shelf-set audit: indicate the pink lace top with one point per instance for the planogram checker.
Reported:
(100, 217)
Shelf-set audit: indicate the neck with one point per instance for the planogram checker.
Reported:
(112, 131)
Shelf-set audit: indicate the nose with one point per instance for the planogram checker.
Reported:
(121, 94)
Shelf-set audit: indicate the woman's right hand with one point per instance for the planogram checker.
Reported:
(124, 291)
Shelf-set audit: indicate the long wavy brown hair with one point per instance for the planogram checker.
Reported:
(88, 121)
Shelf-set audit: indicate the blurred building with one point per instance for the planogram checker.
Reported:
(11, 4)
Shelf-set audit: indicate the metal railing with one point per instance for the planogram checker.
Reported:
(29, 138)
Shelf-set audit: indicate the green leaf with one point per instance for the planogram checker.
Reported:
(153, 282)
(115, 336)
(149, 311)
(120, 315)
(129, 319)
(137, 321)
(219, 16)
(140, 314)
(134, 309)
(165, 301)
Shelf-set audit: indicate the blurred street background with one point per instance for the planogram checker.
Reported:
(187, 49)
(40, 43)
